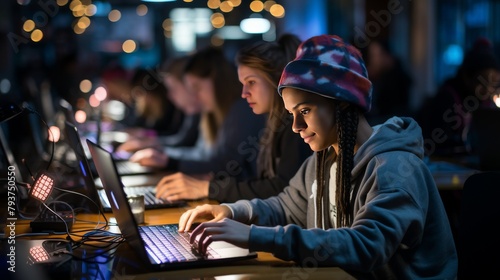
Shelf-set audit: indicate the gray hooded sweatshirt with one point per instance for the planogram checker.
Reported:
(400, 228)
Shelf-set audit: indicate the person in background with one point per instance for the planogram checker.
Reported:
(448, 113)
(365, 201)
(154, 112)
(447, 117)
(172, 74)
(187, 134)
(228, 125)
(391, 83)
(280, 153)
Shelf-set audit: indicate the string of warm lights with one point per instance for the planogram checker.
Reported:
(214, 16)
(83, 10)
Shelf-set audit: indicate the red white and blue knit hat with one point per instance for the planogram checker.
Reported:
(330, 67)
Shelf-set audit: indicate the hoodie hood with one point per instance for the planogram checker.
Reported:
(396, 134)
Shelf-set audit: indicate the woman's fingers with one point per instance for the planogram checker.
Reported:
(188, 217)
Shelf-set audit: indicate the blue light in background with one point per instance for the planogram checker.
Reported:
(453, 55)
(306, 18)
(102, 8)
(477, 15)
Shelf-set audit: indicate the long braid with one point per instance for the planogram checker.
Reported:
(320, 186)
(347, 126)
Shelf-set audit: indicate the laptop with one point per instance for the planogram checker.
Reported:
(125, 167)
(162, 245)
(98, 194)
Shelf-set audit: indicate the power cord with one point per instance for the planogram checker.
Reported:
(100, 213)
(31, 110)
(47, 222)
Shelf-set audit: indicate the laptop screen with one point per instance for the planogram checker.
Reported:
(113, 186)
(82, 165)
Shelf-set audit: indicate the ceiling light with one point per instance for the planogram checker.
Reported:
(255, 25)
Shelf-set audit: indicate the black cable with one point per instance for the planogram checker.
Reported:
(80, 194)
(111, 241)
(28, 168)
(61, 218)
(31, 110)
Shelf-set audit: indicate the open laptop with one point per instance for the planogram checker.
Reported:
(162, 245)
(125, 167)
(98, 194)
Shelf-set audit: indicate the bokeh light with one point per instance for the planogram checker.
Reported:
(256, 6)
(93, 101)
(268, 5)
(36, 35)
(100, 93)
(5, 86)
(142, 10)
(213, 4)
(83, 22)
(90, 10)
(114, 15)
(226, 6)
(62, 2)
(129, 46)
(80, 116)
(217, 20)
(277, 11)
(54, 133)
(29, 25)
(235, 3)
(85, 86)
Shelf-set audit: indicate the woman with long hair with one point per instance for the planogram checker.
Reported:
(226, 122)
(280, 152)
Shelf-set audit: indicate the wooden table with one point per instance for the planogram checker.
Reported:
(125, 265)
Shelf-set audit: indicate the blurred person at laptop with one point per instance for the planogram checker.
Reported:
(187, 135)
(365, 201)
(447, 115)
(154, 112)
(280, 153)
(227, 124)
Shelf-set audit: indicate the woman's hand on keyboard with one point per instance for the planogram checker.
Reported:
(215, 212)
(227, 230)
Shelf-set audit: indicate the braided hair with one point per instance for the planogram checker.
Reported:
(347, 127)
(347, 118)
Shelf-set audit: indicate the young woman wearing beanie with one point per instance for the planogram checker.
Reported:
(365, 201)
(279, 151)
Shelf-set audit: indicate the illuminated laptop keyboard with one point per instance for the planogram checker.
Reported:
(166, 244)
